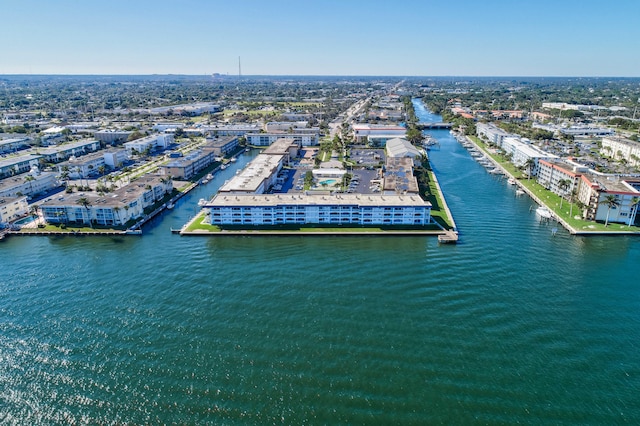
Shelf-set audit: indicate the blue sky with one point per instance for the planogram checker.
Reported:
(329, 37)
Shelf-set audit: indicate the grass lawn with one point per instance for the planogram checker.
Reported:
(567, 214)
(437, 204)
(70, 229)
(553, 201)
(326, 156)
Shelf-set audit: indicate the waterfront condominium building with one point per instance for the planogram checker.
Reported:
(257, 177)
(521, 152)
(188, 166)
(298, 209)
(491, 133)
(12, 208)
(114, 208)
(223, 145)
(591, 190)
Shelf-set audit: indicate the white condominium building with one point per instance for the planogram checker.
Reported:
(339, 209)
(492, 133)
(621, 148)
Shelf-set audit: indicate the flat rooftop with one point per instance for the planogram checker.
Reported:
(280, 147)
(399, 176)
(254, 174)
(272, 200)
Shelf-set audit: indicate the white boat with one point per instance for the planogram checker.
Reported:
(511, 181)
(247, 150)
(233, 159)
(224, 166)
(519, 191)
(543, 212)
(209, 176)
(202, 202)
(170, 206)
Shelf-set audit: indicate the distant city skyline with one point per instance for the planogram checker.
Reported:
(288, 37)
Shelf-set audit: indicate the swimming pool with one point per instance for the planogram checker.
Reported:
(327, 182)
(24, 220)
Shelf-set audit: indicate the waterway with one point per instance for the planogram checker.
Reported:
(512, 325)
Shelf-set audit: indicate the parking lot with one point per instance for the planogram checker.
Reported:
(367, 157)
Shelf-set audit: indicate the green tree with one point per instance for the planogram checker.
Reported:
(30, 179)
(84, 202)
(33, 209)
(414, 135)
(116, 212)
(529, 165)
(563, 185)
(611, 201)
(135, 135)
(635, 201)
(574, 192)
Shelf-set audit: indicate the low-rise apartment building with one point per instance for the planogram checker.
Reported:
(377, 134)
(491, 133)
(190, 165)
(299, 209)
(13, 144)
(521, 152)
(12, 166)
(83, 167)
(28, 184)
(223, 145)
(621, 148)
(231, 129)
(398, 176)
(257, 177)
(112, 137)
(12, 208)
(285, 126)
(160, 141)
(592, 190)
(112, 209)
(56, 154)
(266, 139)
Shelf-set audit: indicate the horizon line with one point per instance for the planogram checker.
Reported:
(233, 76)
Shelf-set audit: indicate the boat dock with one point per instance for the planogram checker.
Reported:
(449, 237)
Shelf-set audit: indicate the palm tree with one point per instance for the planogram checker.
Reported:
(563, 185)
(84, 202)
(30, 179)
(64, 176)
(635, 201)
(34, 211)
(101, 170)
(116, 211)
(529, 165)
(611, 202)
(573, 193)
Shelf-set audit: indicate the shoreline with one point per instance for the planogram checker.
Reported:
(538, 200)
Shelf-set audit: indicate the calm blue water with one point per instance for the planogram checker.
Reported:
(512, 325)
